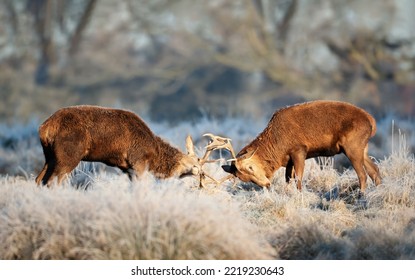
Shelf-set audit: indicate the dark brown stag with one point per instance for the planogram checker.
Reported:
(307, 130)
(115, 137)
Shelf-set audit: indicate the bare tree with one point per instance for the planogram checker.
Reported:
(13, 17)
(48, 16)
(265, 37)
(82, 24)
(42, 14)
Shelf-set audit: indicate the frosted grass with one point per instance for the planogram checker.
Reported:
(99, 214)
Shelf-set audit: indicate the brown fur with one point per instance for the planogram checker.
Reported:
(115, 137)
(307, 130)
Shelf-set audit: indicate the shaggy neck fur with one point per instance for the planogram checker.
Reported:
(166, 161)
(269, 153)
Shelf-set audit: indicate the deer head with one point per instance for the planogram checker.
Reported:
(189, 164)
(248, 168)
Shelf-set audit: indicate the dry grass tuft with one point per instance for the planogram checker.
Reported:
(108, 221)
(309, 242)
(376, 241)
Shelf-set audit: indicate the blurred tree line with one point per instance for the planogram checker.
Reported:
(175, 60)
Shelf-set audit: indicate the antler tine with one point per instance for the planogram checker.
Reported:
(216, 182)
(230, 149)
(209, 147)
(218, 142)
(205, 157)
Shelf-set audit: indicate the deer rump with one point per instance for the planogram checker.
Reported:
(307, 130)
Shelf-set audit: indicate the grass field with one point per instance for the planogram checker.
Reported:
(100, 214)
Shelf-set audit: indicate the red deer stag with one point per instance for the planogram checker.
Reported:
(115, 137)
(307, 130)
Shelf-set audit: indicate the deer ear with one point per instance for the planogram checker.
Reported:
(250, 154)
(189, 146)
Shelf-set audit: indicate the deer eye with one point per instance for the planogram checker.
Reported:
(250, 169)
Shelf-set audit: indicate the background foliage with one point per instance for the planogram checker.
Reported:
(178, 60)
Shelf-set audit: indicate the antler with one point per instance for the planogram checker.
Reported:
(215, 143)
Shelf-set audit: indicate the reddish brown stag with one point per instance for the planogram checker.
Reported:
(307, 130)
(115, 137)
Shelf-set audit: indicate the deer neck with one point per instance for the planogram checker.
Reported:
(165, 162)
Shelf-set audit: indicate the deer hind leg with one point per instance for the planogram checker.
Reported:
(61, 170)
(41, 175)
(49, 161)
(371, 168)
(47, 174)
(66, 158)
